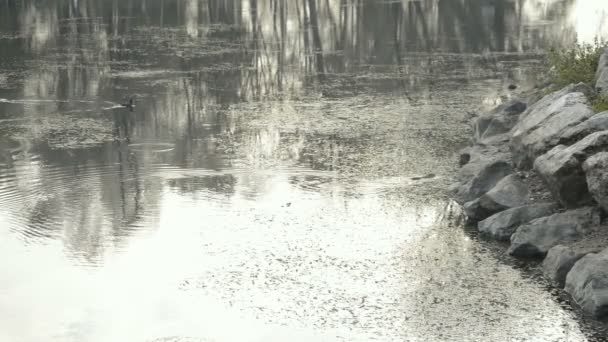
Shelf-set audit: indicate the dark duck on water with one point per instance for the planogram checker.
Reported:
(129, 105)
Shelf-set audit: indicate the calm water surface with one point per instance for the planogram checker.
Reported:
(282, 177)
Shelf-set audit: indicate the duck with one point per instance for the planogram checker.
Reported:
(129, 105)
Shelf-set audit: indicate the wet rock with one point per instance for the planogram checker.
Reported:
(559, 261)
(602, 74)
(500, 120)
(509, 192)
(597, 123)
(502, 225)
(596, 171)
(464, 158)
(542, 126)
(484, 177)
(534, 239)
(487, 149)
(561, 258)
(562, 169)
(587, 283)
(474, 158)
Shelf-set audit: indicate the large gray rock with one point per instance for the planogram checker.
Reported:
(500, 120)
(587, 283)
(596, 171)
(542, 126)
(509, 192)
(602, 74)
(561, 258)
(502, 225)
(562, 169)
(484, 178)
(547, 100)
(534, 239)
(476, 157)
(559, 261)
(596, 123)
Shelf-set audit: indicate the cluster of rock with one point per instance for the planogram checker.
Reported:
(537, 176)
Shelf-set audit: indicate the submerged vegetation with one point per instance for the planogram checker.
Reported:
(577, 64)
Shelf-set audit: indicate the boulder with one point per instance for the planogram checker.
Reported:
(559, 261)
(502, 225)
(562, 169)
(596, 123)
(474, 157)
(602, 74)
(500, 142)
(561, 258)
(482, 180)
(596, 171)
(509, 192)
(547, 100)
(500, 120)
(479, 154)
(542, 126)
(587, 283)
(534, 239)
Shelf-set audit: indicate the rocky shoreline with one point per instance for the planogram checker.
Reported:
(537, 176)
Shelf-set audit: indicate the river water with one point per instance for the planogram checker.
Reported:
(281, 178)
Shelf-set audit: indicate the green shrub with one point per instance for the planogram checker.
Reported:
(600, 103)
(577, 63)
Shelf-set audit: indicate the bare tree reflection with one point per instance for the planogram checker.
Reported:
(191, 62)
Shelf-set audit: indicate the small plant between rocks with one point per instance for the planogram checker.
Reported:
(577, 63)
(600, 103)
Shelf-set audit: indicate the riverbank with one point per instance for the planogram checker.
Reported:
(537, 175)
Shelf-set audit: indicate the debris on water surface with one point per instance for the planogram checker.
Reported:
(429, 176)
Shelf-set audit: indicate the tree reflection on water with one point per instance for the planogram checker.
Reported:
(191, 62)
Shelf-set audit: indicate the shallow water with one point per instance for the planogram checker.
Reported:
(282, 176)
